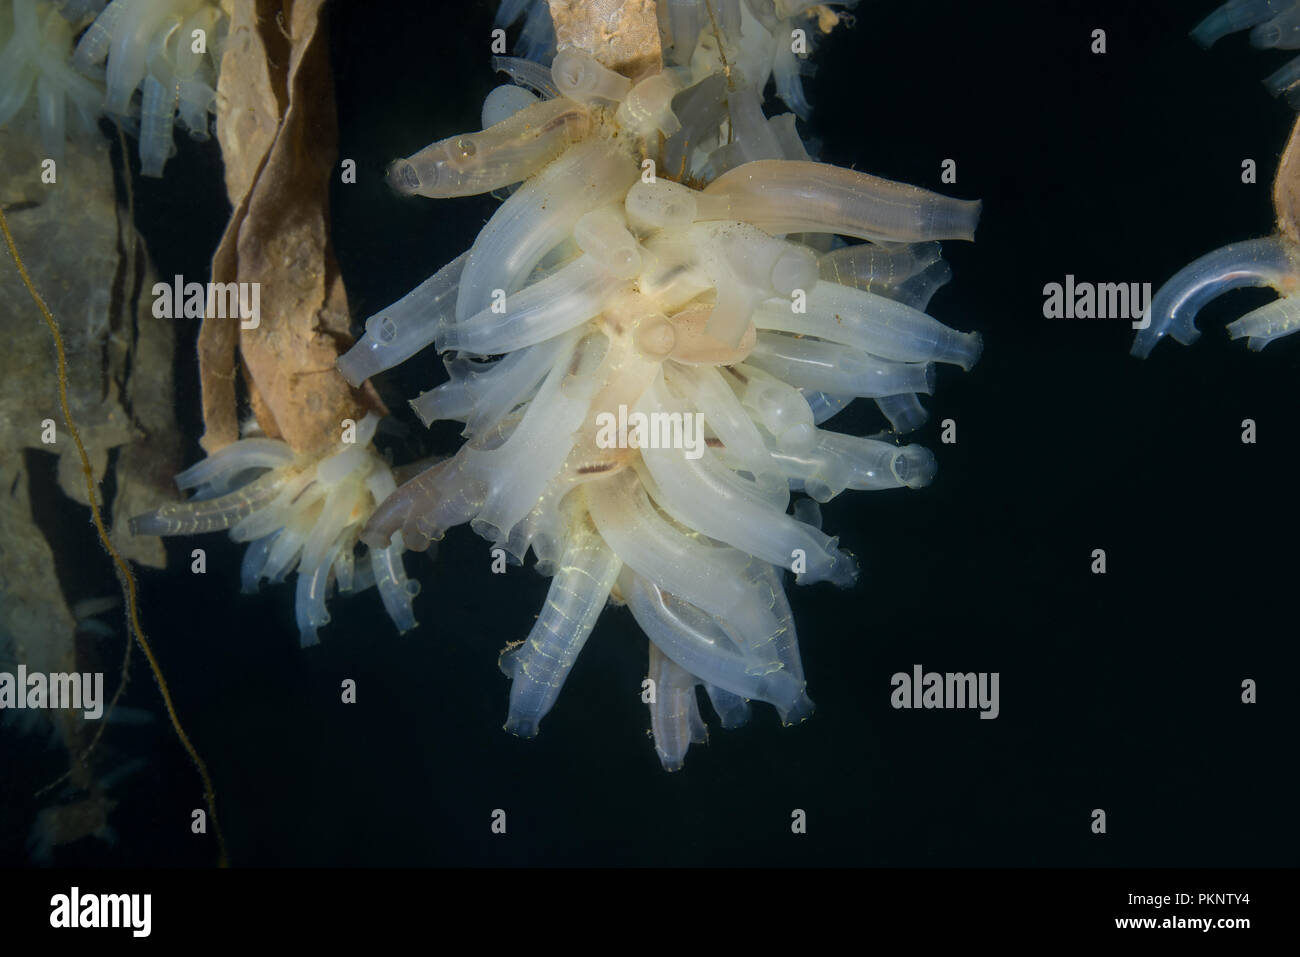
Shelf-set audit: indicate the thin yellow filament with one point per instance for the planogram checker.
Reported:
(125, 578)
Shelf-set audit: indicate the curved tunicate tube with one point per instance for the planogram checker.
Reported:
(1233, 16)
(874, 324)
(567, 298)
(904, 412)
(697, 642)
(237, 457)
(789, 196)
(1273, 261)
(675, 721)
(481, 393)
(537, 218)
(1272, 321)
(539, 667)
(510, 151)
(395, 334)
(831, 367)
(709, 577)
(526, 73)
(581, 77)
(211, 515)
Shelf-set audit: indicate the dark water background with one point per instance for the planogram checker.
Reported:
(1119, 692)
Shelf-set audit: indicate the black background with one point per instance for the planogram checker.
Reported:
(1119, 692)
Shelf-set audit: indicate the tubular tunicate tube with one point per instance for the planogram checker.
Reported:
(407, 326)
(299, 488)
(353, 457)
(751, 133)
(868, 266)
(196, 101)
(53, 116)
(14, 96)
(581, 77)
(1236, 15)
(284, 553)
(481, 393)
(700, 108)
(329, 524)
(783, 128)
(396, 591)
(768, 590)
(697, 643)
(747, 266)
(539, 216)
(520, 469)
(345, 569)
(787, 73)
(537, 38)
(918, 290)
(807, 510)
(1273, 321)
(514, 149)
(134, 30)
(831, 367)
(675, 721)
(874, 324)
(825, 406)
(508, 11)
(157, 112)
(724, 414)
(578, 592)
(209, 515)
(385, 569)
(728, 17)
(778, 407)
(1282, 32)
(733, 710)
(526, 73)
(706, 576)
(567, 298)
(237, 457)
(309, 604)
(250, 569)
(1284, 79)
(647, 109)
(698, 494)
(904, 412)
(787, 196)
(1258, 262)
(423, 508)
(837, 462)
(670, 272)
(206, 18)
(686, 18)
(93, 46)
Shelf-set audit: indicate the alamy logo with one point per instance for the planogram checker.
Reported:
(217, 300)
(75, 691)
(948, 690)
(1103, 300)
(651, 430)
(75, 909)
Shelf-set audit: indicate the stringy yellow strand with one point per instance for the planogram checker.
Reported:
(128, 645)
(125, 578)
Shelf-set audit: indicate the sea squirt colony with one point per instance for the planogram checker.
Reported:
(671, 251)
